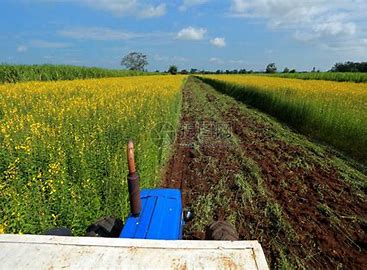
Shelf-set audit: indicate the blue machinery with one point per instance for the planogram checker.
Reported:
(155, 213)
(160, 218)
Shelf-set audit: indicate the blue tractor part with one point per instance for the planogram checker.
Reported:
(155, 213)
(160, 218)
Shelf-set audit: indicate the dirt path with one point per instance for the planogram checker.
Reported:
(306, 207)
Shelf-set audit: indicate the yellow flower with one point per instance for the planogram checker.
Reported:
(72, 132)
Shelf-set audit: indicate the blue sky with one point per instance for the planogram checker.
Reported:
(203, 34)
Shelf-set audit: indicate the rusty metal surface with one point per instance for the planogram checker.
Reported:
(52, 252)
(130, 157)
(134, 194)
(133, 181)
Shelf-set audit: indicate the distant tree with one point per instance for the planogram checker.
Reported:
(157, 71)
(172, 69)
(250, 71)
(218, 71)
(271, 68)
(292, 71)
(286, 70)
(242, 71)
(193, 70)
(338, 67)
(235, 71)
(227, 71)
(350, 67)
(184, 71)
(313, 69)
(135, 61)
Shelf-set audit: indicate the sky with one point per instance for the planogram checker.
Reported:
(202, 34)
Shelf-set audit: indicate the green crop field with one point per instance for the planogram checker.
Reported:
(249, 127)
(23, 73)
(62, 147)
(332, 112)
(296, 197)
(224, 140)
(328, 76)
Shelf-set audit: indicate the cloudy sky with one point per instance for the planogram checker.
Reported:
(210, 34)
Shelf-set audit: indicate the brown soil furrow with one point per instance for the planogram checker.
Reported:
(302, 192)
(197, 170)
(188, 167)
(179, 165)
(324, 222)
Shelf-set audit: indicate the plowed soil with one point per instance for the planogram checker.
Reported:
(306, 206)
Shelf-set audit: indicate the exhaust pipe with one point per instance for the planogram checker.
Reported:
(133, 182)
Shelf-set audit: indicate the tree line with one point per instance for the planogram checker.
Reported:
(350, 67)
(138, 61)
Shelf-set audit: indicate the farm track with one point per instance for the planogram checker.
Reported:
(306, 207)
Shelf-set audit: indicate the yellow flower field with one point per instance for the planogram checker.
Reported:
(62, 147)
(353, 95)
(335, 112)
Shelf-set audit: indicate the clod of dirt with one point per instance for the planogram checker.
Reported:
(221, 230)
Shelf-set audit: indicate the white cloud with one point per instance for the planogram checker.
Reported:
(309, 20)
(136, 8)
(216, 60)
(186, 4)
(153, 11)
(239, 6)
(107, 34)
(218, 42)
(327, 30)
(279, 12)
(22, 48)
(238, 62)
(117, 7)
(358, 46)
(335, 28)
(303, 36)
(191, 33)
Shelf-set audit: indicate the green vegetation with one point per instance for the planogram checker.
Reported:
(327, 76)
(172, 69)
(294, 196)
(337, 118)
(22, 73)
(63, 147)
